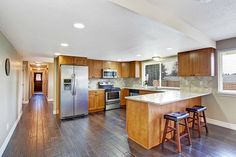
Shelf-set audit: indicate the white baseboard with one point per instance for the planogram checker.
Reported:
(221, 123)
(6, 141)
(50, 99)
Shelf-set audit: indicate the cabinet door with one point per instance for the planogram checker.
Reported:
(97, 66)
(100, 100)
(66, 60)
(125, 69)
(91, 68)
(203, 62)
(92, 101)
(124, 93)
(80, 61)
(135, 69)
(184, 64)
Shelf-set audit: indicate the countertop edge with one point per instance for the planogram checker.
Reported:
(167, 102)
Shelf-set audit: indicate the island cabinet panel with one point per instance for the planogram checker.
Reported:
(125, 69)
(95, 68)
(145, 122)
(135, 69)
(124, 93)
(197, 62)
(96, 101)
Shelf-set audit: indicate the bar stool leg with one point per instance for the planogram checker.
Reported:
(204, 117)
(165, 132)
(187, 130)
(193, 122)
(199, 124)
(178, 138)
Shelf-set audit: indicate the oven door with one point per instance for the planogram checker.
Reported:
(112, 96)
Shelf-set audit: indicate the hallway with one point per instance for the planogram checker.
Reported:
(103, 134)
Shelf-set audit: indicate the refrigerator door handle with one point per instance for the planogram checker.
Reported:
(75, 86)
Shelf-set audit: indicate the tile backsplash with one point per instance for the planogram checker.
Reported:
(196, 84)
(119, 82)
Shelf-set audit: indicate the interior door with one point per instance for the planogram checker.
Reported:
(67, 84)
(81, 90)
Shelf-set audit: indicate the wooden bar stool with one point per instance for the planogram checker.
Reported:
(198, 112)
(176, 117)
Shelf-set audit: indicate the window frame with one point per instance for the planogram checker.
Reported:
(158, 62)
(220, 71)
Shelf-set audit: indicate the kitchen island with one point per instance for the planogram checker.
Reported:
(144, 113)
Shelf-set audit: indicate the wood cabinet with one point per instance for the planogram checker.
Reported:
(95, 68)
(124, 93)
(96, 101)
(125, 69)
(135, 69)
(70, 60)
(197, 63)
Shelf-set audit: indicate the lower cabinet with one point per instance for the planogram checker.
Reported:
(96, 101)
(143, 92)
(124, 93)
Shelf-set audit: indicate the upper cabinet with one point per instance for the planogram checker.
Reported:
(125, 69)
(135, 69)
(95, 68)
(70, 60)
(197, 62)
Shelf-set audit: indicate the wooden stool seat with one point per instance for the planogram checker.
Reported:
(196, 109)
(198, 113)
(176, 117)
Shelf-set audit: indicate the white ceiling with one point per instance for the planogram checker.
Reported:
(216, 19)
(36, 28)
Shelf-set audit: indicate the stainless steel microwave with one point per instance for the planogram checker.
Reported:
(109, 73)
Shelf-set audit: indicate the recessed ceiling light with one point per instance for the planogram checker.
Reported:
(169, 48)
(79, 25)
(138, 55)
(38, 64)
(64, 44)
(57, 54)
(204, 1)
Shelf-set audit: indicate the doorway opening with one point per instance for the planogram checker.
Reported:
(38, 83)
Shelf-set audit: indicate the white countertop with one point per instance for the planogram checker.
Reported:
(152, 88)
(168, 96)
(94, 89)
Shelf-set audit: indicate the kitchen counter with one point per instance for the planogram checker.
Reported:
(151, 88)
(95, 89)
(145, 114)
(167, 96)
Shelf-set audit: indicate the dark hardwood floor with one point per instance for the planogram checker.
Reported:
(39, 133)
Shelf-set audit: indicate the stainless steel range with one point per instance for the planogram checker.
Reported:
(112, 95)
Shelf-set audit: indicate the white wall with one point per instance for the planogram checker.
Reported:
(11, 91)
(222, 107)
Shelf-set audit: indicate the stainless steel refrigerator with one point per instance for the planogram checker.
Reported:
(74, 91)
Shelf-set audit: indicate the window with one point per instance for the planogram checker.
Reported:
(169, 74)
(161, 74)
(227, 72)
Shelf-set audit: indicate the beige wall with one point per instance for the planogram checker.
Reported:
(222, 107)
(11, 89)
(50, 81)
